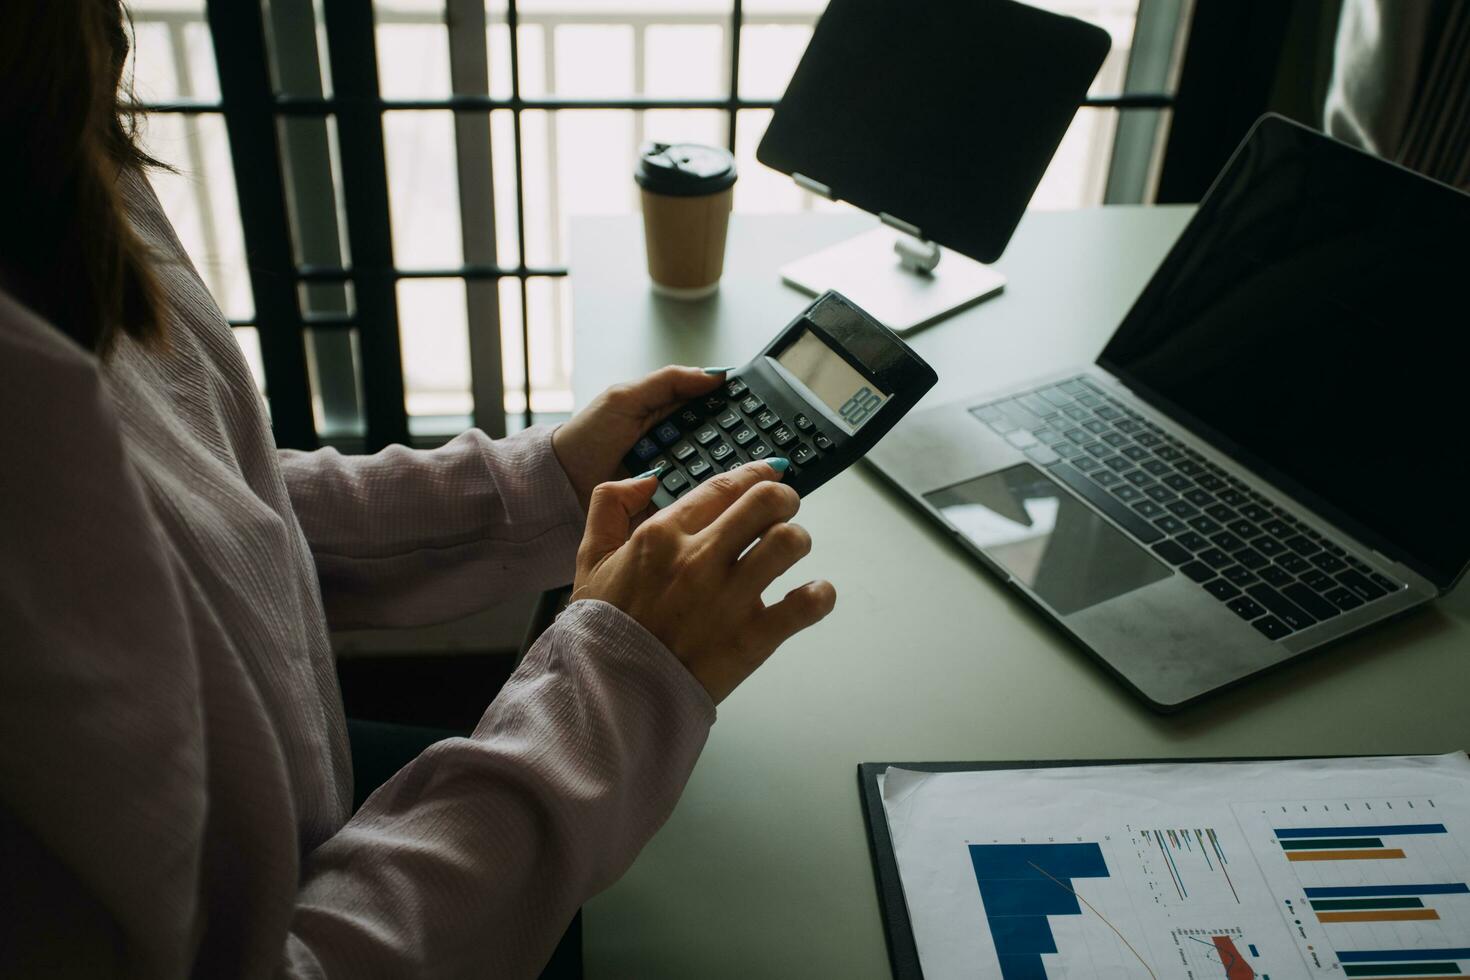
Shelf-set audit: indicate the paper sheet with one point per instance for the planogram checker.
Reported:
(1332, 868)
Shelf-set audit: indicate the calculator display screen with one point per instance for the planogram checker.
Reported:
(852, 398)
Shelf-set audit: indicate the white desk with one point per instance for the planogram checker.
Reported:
(763, 870)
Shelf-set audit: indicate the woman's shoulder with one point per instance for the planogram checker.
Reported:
(36, 353)
(48, 384)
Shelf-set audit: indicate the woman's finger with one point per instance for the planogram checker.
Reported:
(669, 387)
(699, 508)
(780, 547)
(803, 606)
(751, 517)
(610, 515)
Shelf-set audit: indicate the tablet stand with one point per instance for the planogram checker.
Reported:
(894, 273)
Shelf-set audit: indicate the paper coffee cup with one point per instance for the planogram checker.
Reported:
(687, 192)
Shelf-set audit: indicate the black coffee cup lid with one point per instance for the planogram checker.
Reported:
(684, 169)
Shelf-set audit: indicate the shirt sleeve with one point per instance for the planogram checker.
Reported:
(472, 859)
(409, 537)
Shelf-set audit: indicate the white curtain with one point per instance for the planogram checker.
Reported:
(1400, 84)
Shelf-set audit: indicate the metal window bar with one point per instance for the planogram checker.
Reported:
(512, 23)
(358, 104)
(245, 87)
(469, 72)
(352, 53)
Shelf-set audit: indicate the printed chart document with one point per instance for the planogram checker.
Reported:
(1351, 868)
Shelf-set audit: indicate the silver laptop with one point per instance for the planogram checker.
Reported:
(1270, 453)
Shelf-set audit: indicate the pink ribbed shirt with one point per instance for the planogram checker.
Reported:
(174, 771)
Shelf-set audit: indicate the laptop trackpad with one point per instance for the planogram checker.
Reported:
(1047, 538)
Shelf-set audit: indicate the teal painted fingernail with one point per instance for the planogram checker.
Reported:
(779, 463)
(723, 370)
(647, 473)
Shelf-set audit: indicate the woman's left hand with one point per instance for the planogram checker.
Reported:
(592, 445)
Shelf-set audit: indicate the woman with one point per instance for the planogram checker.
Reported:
(174, 772)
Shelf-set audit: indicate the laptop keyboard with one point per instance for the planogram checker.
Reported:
(1267, 566)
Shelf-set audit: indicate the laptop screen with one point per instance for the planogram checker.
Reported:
(1313, 321)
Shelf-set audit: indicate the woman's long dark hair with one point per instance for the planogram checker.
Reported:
(66, 248)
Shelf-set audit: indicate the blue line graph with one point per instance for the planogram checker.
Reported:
(1022, 884)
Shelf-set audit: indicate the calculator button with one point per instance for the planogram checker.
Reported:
(743, 435)
(700, 469)
(706, 434)
(751, 404)
(728, 419)
(720, 452)
(803, 424)
(682, 451)
(782, 436)
(822, 441)
(676, 483)
(765, 419)
(758, 449)
(712, 403)
(734, 387)
(667, 433)
(689, 419)
(803, 454)
(646, 449)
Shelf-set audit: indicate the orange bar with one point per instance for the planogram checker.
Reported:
(1388, 852)
(1384, 915)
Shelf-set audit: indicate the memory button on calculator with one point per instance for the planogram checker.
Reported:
(735, 388)
(751, 404)
(782, 436)
(765, 419)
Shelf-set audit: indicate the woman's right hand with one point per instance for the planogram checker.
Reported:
(682, 576)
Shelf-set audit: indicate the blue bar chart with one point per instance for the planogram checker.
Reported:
(1381, 882)
(1021, 886)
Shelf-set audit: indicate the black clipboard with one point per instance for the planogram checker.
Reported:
(903, 955)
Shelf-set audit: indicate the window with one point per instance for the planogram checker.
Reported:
(401, 174)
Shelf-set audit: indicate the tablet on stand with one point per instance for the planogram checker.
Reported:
(939, 118)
